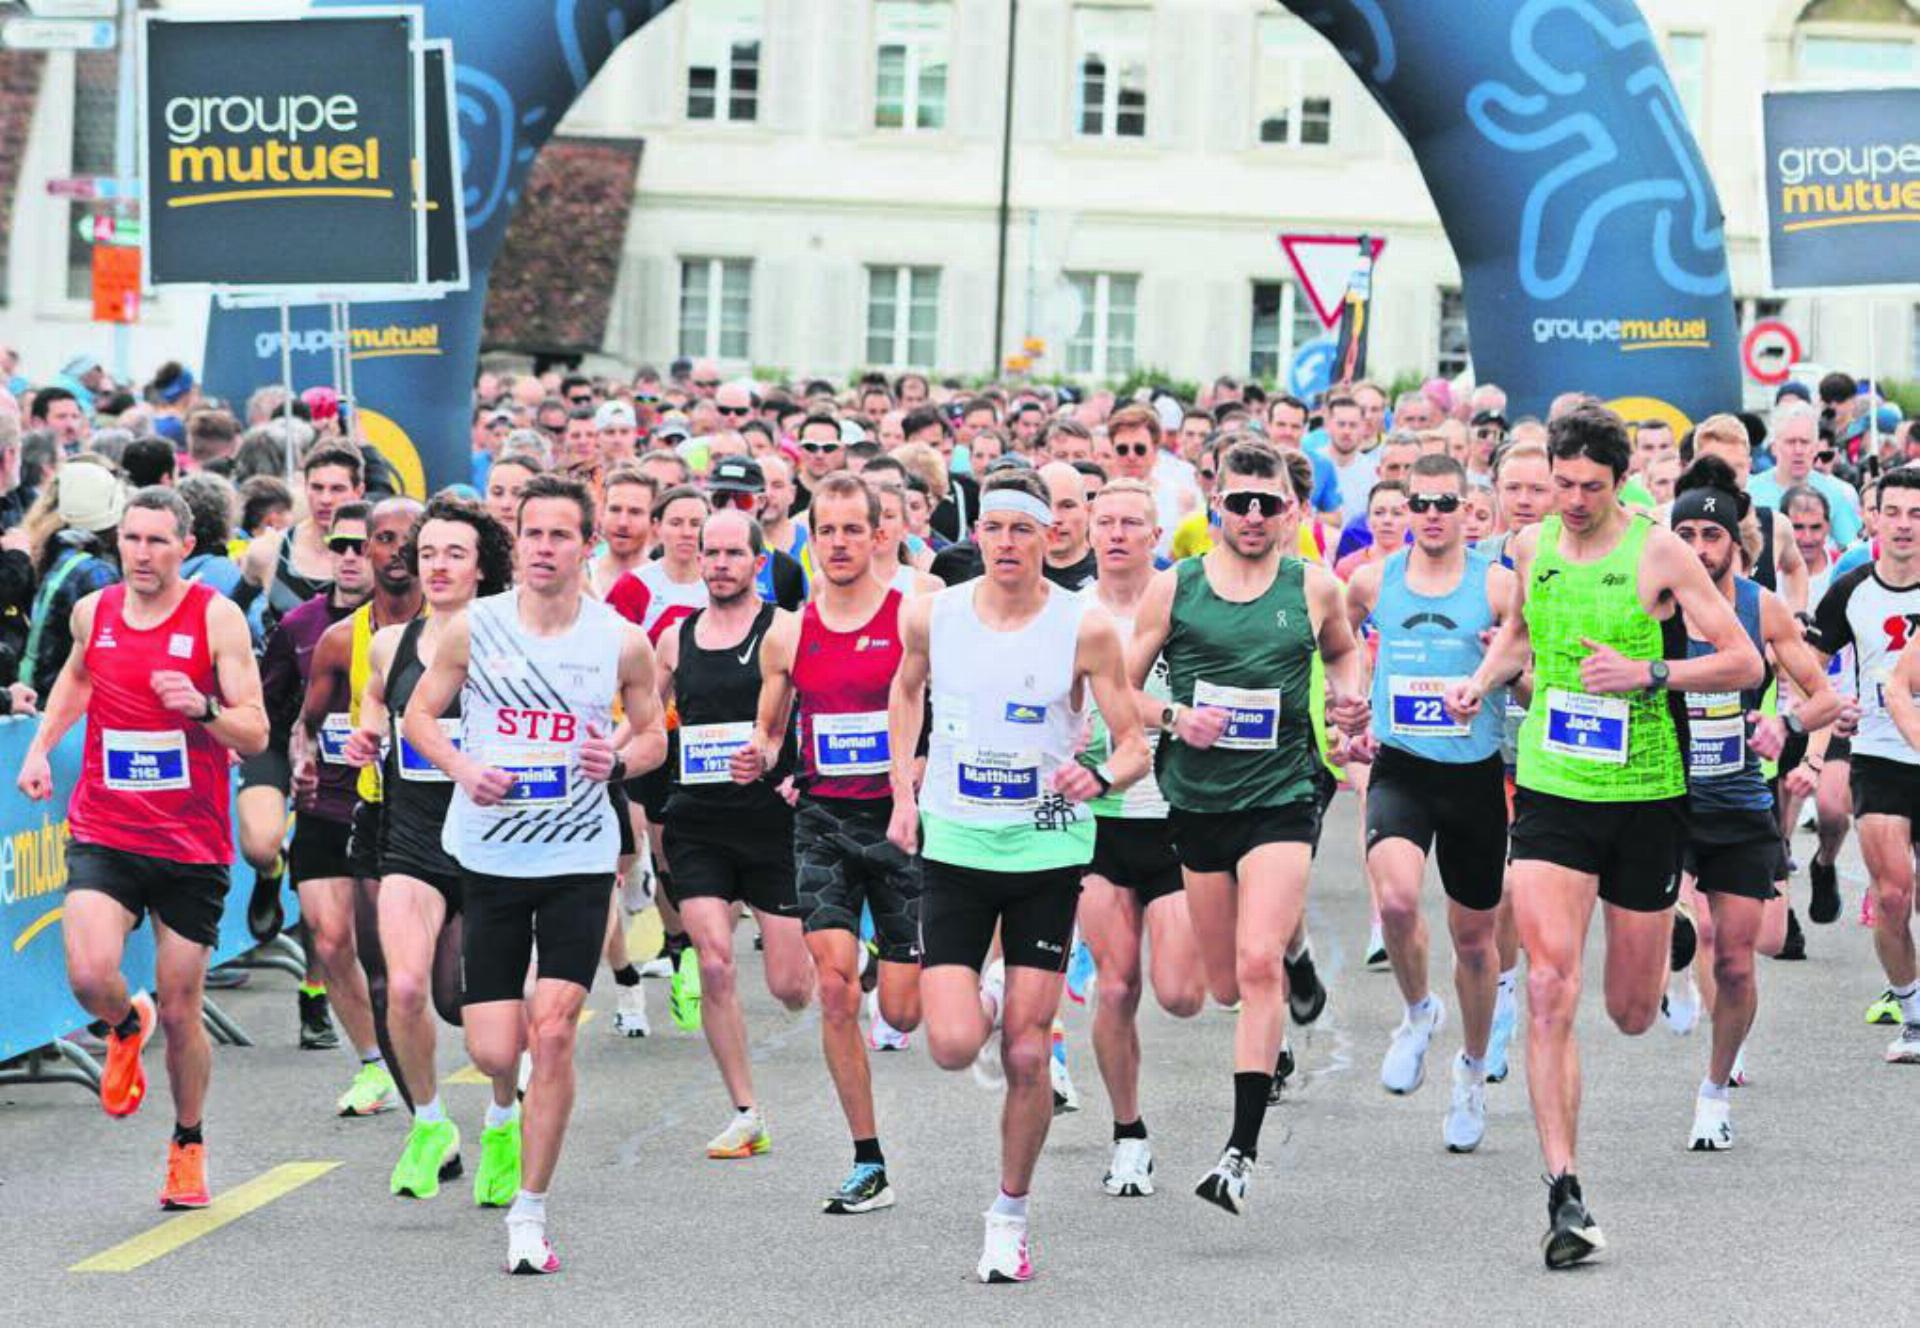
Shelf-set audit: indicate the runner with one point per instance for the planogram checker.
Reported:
(1873, 608)
(1437, 785)
(1131, 892)
(626, 525)
(1006, 834)
(1734, 851)
(168, 687)
(1831, 763)
(536, 670)
(731, 844)
(835, 664)
(1601, 808)
(1239, 628)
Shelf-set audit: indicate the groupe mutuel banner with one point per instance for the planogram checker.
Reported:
(1843, 186)
(281, 152)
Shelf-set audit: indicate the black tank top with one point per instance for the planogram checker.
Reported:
(417, 793)
(721, 687)
(290, 588)
(1763, 568)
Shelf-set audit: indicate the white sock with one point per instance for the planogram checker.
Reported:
(528, 1207)
(372, 1057)
(430, 1110)
(1510, 982)
(1421, 1010)
(1008, 1206)
(1475, 1065)
(1909, 998)
(1716, 1092)
(498, 1115)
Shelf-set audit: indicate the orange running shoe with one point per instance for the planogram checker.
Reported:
(186, 1177)
(123, 1084)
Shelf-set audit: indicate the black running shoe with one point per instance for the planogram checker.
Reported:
(1825, 906)
(316, 1023)
(1306, 997)
(1795, 946)
(1572, 1234)
(1684, 942)
(265, 916)
(1282, 1071)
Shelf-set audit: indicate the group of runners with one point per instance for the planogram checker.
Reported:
(487, 717)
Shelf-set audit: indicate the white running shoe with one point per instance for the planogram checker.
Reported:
(1130, 1173)
(1712, 1127)
(1681, 1004)
(1065, 1099)
(745, 1136)
(1404, 1067)
(1003, 1255)
(525, 1075)
(1738, 1078)
(630, 1013)
(1377, 961)
(1226, 1185)
(1905, 1049)
(1466, 1123)
(987, 1070)
(528, 1250)
(881, 1035)
(636, 887)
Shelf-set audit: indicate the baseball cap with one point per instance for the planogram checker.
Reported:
(81, 365)
(615, 415)
(324, 402)
(91, 497)
(673, 428)
(1008, 461)
(1484, 417)
(1886, 417)
(737, 474)
(1793, 387)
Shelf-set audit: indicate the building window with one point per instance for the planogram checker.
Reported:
(1293, 87)
(910, 65)
(1840, 59)
(903, 316)
(1687, 67)
(1454, 354)
(716, 306)
(1283, 322)
(723, 60)
(95, 102)
(1110, 72)
(1103, 343)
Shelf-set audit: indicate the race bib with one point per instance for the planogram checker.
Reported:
(998, 779)
(1716, 734)
(335, 729)
(417, 769)
(542, 776)
(851, 744)
(145, 762)
(1253, 723)
(706, 751)
(1419, 712)
(1586, 728)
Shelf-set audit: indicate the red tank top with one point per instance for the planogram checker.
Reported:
(841, 680)
(152, 783)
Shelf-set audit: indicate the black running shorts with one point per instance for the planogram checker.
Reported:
(271, 768)
(503, 916)
(842, 860)
(319, 849)
(363, 842)
(1886, 788)
(1033, 911)
(1736, 853)
(1217, 841)
(1633, 847)
(743, 862)
(187, 897)
(1136, 855)
(1460, 808)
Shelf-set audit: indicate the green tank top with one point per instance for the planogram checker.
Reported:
(1572, 744)
(1254, 659)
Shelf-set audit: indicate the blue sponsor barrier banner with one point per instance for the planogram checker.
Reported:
(35, 1004)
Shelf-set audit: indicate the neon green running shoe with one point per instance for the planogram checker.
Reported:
(432, 1155)
(1885, 1009)
(683, 997)
(498, 1179)
(371, 1093)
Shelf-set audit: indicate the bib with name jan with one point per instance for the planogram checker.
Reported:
(1586, 727)
(706, 751)
(139, 761)
(1716, 734)
(1419, 710)
(1253, 715)
(997, 779)
(417, 769)
(335, 729)
(854, 744)
(541, 775)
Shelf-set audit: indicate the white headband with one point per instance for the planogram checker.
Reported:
(1013, 500)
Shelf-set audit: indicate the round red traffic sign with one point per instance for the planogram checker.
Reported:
(1770, 343)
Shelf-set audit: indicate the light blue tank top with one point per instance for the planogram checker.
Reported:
(1428, 642)
(1723, 770)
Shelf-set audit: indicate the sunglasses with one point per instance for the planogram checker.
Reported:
(1133, 449)
(706, 382)
(1444, 503)
(584, 399)
(745, 502)
(347, 544)
(816, 448)
(742, 411)
(1241, 502)
(645, 399)
(1825, 456)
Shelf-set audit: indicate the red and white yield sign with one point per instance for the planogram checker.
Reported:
(1769, 352)
(1324, 264)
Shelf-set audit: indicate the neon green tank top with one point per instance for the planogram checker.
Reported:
(1581, 746)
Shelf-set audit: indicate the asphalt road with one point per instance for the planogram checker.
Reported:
(1359, 1216)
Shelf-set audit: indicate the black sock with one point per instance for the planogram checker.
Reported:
(186, 1134)
(1250, 1089)
(627, 977)
(130, 1026)
(1137, 1130)
(675, 943)
(868, 1150)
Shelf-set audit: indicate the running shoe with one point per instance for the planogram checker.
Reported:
(1885, 1009)
(497, 1179)
(266, 915)
(316, 1023)
(1130, 1172)
(1905, 1049)
(1682, 941)
(528, 1249)
(432, 1155)
(630, 1012)
(1226, 1185)
(1283, 1068)
(1738, 1079)
(1825, 904)
(1377, 961)
(1506, 1018)
(1080, 973)
(1466, 1123)
(660, 966)
(1003, 1256)
(881, 1035)
(186, 1185)
(864, 1190)
(987, 1070)
(1795, 945)
(1712, 1125)
(1681, 1003)
(636, 887)
(1404, 1067)
(228, 977)
(745, 1136)
(1065, 1098)
(371, 1092)
(683, 1000)
(1306, 997)
(123, 1083)
(1572, 1234)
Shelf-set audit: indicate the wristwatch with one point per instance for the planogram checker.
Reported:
(1792, 720)
(1104, 773)
(1657, 675)
(1169, 713)
(212, 711)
